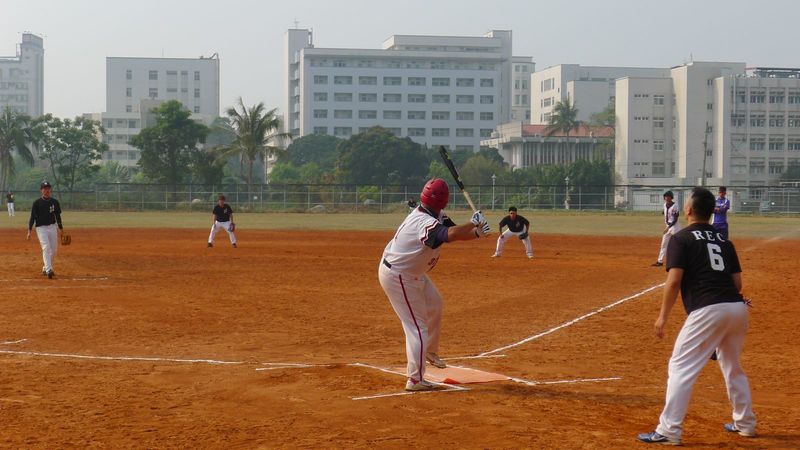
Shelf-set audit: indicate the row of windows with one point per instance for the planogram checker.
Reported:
(774, 144)
(760, 168)
(398, 81)
(120, 123)
(121, 154)
(411, 115)
(397, 98)
(774, 98)
(14, 85)
(411, 131)
(13, 97)
(153, 74)
(521, 84)
(395, 64)
(760, 120)
(153, 92)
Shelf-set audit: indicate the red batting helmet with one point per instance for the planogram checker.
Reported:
(435, 194)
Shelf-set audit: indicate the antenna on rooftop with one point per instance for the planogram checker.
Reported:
(296, 24)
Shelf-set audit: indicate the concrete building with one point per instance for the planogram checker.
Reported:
(437, 90)
(521, 88)
(523, 146)
(135, 86)
(590, 88)
(22, 77)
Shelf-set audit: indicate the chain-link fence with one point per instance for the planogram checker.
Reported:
(380, 199)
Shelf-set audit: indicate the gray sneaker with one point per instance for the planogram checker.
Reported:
(434, 359)
(420, 385)
(731, 428)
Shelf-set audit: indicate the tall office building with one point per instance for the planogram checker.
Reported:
(437, 90)
(22, 77)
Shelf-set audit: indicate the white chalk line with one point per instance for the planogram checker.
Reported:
(58, 278)
(457, 358)
(571, 322)
(447, 387)
(576, 380)
(120, 358)
(18, 341)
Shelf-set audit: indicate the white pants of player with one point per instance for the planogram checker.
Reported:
(665, 241)
(48, 239)
(221, 226)
(418, 304)
(501, 242)
(10, 209)
(721, 328)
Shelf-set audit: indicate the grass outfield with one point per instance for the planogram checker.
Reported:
(547, 222)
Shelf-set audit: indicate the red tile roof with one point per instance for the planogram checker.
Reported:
(583, 131)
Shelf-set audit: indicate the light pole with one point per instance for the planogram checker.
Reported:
(494, 178)
(566, 193)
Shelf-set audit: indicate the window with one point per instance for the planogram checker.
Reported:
(128, 92)
(756, 167)
(366, 63)
(757, 120)
(709, 106)
(658, 146)
(487, 116)
(439, 65)
(416, 98)
(487, 82)
(441, 132)
(320, 113)
(391, 115)
(465, 115)
(440, 115)
(367, 114)
(416, 81)
(416, 131)
(465, 82)
(776, 144)
(545, 102)
(320, 130)
(658, 168)
(741, 97)
(489, 99)
(153, 75)
(658, 122)
(416, 115)
(392, 98)
(128, 74)
(465, 132)
(737, 120)
(465, 99)
(320, 96)
(546, 85)
(368, 97)
(756, 143)
(794, 122)
(776, 97)
(757, 97)
(197, 93)
(342, 114)
(342, 131)
(794, 98)
(392, 81)
(339, 63)
(197, 110)
(369, 81)
(658, 100)
(342, 97)
(320, 79)
(342, 79)
(128, 108)
(196, 75)
(775, 167)
(776, 121)
(153, 93)
(440, 98)
(794, 144)
(440, 82)
(486, 132)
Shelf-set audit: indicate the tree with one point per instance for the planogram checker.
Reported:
(71, 147)
(479, 170)
(564, 119)
(112, 172)
(16, 134)
(285, 173)
(256, 134)
(169, 146)
(314, 148)
(605, 118)
(379, 157)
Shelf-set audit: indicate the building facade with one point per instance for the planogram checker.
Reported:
(22, 77)
(436, 90)
(591, 88)
(521, 88)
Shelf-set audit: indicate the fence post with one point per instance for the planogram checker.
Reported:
(356, 197)
(580, 198)
(380, 205)
(95, 197)
(119, 199)
(308, 197)
(262, 197)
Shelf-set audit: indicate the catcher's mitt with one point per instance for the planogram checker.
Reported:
(232, 227)
(66, 239)
(523, 235)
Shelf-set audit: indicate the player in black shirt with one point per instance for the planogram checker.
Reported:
(705, 269)
(517, 226)
(46, 215)
(10, 203)
(222, 218)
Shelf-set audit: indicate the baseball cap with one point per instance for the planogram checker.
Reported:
(44, 184)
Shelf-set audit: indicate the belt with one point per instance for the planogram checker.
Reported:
(386, 263)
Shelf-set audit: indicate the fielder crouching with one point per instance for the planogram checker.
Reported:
(222, 218)
(402, 272)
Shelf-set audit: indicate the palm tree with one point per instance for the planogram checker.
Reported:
(564, 119)
(257, 135)
(16, 132)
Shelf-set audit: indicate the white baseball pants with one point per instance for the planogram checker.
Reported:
(48, 239)
(665, 241)
(719, 327)
(501, 242)
(10, 209)
(221, 226)
(418, 305)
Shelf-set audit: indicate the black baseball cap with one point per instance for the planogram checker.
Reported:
(44, 184)
(669, 194)
(512, 208)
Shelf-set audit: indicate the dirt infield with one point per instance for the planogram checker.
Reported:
(184, 330)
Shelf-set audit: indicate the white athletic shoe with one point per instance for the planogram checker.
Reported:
(434, 359)
(421, 385)
(496, 255)
(530, 256)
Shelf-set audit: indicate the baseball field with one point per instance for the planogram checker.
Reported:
(148, 339)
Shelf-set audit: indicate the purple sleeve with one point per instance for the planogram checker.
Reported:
(437, 236)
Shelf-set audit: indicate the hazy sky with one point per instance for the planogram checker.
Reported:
(248, 35)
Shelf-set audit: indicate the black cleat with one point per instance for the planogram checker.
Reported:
(657, 264)
(51, 274)
(234, 245)
(210, 245)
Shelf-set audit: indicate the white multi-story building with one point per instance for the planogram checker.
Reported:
(590, 88)
(521, 89)
(436, 90)
(134, 86)
(22, 77)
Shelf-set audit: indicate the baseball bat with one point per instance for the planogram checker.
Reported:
(452, 168)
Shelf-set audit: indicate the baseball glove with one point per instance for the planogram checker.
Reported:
(232, 227)
(66, 239)
(523, 235)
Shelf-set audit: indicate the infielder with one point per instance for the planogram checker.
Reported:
(10, 203)
(402, 272)
(517, 226)
(671, 213)
(222, 219)
(46, 214)
(705, 267)
(720, 222)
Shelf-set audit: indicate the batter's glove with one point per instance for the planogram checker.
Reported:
(477, 218)
(66, 239)
(523, 236)
(484, 228)
(232, 227)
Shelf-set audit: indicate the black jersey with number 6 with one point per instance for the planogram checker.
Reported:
(708, 262)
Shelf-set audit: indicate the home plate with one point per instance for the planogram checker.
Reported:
(459, 375)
